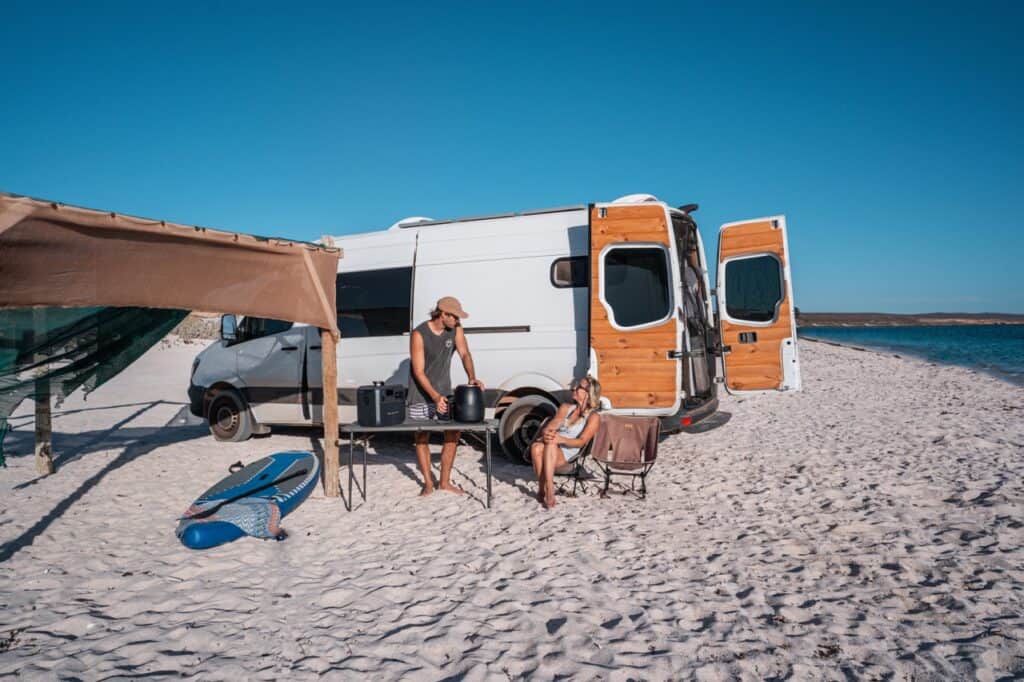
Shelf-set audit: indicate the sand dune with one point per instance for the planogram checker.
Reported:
(869, 526)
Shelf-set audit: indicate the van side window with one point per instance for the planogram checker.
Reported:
(635, 285)
(570, 272)
(374, 302)
(258, 327)
(753, 288)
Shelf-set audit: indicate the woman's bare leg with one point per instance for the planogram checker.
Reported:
(537, 458)
(552, 459)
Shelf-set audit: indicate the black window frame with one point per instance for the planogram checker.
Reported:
(406, 311)
(669, 283)
(244, 330)
(782, 288)
(572, 260)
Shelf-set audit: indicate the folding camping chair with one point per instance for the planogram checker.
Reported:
(626, 446)
(575, 470)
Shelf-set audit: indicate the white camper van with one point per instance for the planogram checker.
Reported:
(619, 290)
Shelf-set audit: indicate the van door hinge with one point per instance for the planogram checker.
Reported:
(680, 354)
(719, 380)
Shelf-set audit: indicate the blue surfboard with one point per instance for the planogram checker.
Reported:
(251, 501)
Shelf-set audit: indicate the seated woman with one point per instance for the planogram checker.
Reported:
(561, 439)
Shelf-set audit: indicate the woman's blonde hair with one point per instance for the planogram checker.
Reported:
(593, 391)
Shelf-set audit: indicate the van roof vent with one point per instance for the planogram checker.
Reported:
(636, 199)
(410, 222)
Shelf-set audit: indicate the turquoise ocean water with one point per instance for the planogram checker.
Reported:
(994, 348)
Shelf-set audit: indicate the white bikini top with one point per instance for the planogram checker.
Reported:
(572, 430)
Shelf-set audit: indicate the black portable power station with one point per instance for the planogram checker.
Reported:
(380, 404)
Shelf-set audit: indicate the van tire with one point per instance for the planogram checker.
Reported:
(520, 423)
(229, 417)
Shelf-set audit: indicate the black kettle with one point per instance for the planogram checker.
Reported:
(468, 404)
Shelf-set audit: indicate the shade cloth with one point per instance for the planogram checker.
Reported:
(52, 254)
(83, 293)
(51, 352)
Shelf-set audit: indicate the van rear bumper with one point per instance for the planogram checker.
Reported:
(673, 423)
(195, 400)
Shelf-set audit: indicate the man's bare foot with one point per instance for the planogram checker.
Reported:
(427, 489)
(451, 488)
(540, 495)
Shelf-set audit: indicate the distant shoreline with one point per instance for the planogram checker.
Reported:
(810, 320)
(992, 367)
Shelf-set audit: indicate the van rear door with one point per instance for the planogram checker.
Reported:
(635, 333)
(755, 307)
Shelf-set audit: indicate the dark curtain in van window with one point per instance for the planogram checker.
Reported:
(636, 285)
(374, 302)
(753, 288)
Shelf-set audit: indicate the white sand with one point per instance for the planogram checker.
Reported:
(869, 526)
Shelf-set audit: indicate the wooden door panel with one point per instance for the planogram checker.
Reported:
(633, 366)
(757, 365)
(756, 236)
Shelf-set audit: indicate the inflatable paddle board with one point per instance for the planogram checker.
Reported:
(251, 501)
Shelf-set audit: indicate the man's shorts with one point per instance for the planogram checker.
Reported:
(422, 411)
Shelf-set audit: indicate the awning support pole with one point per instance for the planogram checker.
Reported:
(44, 430)
(332, 467)
(44, 421)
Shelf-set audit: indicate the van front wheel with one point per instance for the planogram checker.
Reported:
(229, 418)
(520, 423)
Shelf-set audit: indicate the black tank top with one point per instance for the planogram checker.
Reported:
(437, 363)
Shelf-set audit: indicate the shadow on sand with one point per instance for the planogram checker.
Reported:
(68, 447)
(142, 442)
(397, 450)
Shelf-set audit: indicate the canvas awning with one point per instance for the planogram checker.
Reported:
(52, 254)
(129, 280)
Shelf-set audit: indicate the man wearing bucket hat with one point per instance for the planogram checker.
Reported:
(431, 346)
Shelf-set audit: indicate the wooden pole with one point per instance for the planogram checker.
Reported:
(44, 430)
(44, 422)
(332, 465)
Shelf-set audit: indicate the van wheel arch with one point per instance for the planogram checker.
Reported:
(510, 397)
(520, 415)
(228, 415)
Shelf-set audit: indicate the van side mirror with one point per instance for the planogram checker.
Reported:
(228, 328)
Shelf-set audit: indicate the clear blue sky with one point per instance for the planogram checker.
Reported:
(890, 136)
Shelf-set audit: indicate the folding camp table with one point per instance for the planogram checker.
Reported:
(356, 431)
